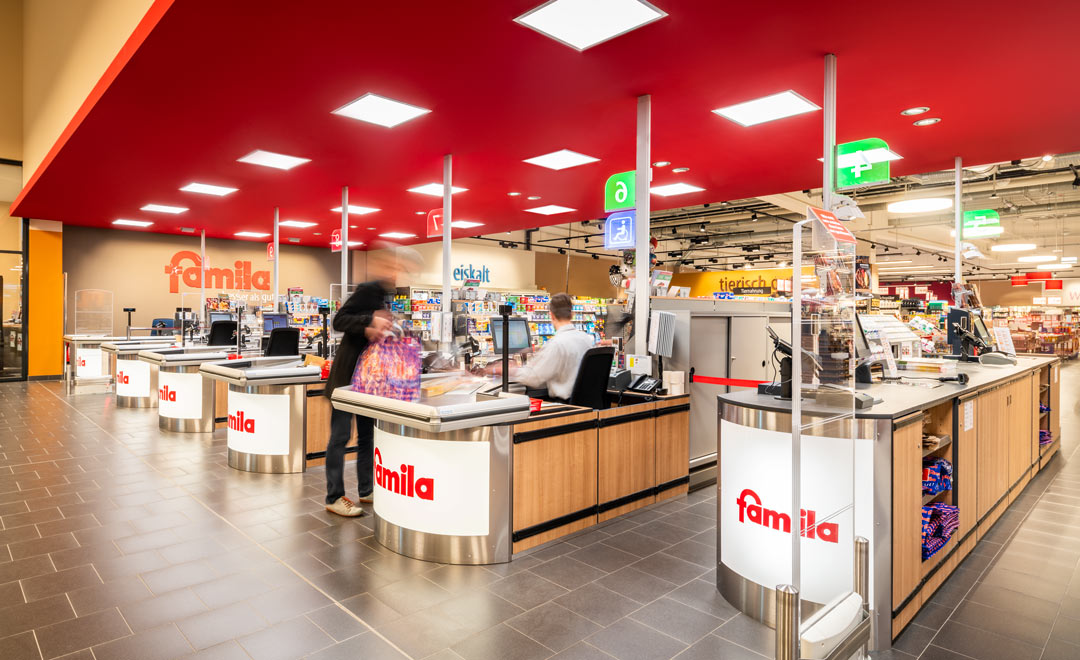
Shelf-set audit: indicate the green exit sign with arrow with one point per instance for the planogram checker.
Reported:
(863, 162)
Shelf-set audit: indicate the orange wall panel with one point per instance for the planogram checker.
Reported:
(46, 301)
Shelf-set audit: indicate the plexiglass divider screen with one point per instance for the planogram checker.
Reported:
(93, 312)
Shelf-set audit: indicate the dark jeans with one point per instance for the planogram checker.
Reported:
(340, 428)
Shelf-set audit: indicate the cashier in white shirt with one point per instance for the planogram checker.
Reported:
(556, 365)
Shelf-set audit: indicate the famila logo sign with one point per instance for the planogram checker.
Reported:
(241, 422)
(750, 510)
(403, 482)
(240, 277)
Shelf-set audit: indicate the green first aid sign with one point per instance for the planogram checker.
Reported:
(981, 224)
(863, 162)
(619, 191)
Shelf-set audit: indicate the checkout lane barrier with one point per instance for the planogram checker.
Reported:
(730, 382)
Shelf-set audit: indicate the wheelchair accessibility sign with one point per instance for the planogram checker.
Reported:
(619, 231)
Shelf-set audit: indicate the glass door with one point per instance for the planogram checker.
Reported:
(13, 271)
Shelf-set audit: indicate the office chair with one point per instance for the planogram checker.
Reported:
(590, 386)
(283, 341)
(222, 333)
(161, 323)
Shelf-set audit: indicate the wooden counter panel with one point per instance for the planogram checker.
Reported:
(672, 447)
(991, 450)
(553, 534)
(907, 507)
(553, 477)
(317, 431)
(626, 459)
(554, 421)
(1019, 424)
(1055, 400)
(221, 402)
(965, 471)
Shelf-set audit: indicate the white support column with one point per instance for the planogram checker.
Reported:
(447, 219)
(344, 243)
(277, 259)
(958, 211)
(642, 180)
(202, 276)
(829, 150)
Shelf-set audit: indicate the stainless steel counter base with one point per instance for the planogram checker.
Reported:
(203, 424)
(495, 547)
(289, 463)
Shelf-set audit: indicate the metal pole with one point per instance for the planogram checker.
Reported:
(787, 622)
(829, 167)
(447, 219)
(958, 212)
(277, 258)
(796, 404)
(344, 243)
(202, 277)
(642, 179)
(862, 570)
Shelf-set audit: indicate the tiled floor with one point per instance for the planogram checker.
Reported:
(119, 541)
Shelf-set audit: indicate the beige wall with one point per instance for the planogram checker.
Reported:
(587, 276)
(11, 79)
(133, 266)
(1004, 293)
(67, 46)
(508, 269)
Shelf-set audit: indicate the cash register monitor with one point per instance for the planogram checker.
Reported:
(520, 340)
(220, 316)
(978, 326)
(272, 321)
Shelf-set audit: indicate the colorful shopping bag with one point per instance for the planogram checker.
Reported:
(390, 368)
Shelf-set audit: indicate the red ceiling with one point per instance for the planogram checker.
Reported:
(203, 82)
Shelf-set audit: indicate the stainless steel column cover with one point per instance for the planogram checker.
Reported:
(295, 460)
(758, 601)
(445, 549)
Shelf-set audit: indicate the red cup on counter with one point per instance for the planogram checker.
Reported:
(233, 356)
(534, 404)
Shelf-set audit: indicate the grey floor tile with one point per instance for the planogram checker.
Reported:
(336, 622)
(412, 594)
(712, 647)
(1059, 650)
(568, 572)
(914, 639)
(554, 626)
(694, 552)
(582, 651)
(604, 557)
(750, 634)
(667, 567)
(983, 644)
(703, 595)
(159, 643)
(367, 646)
(598, 604)
(1015, 625)
(934, 652)
(629, 640)
(500, 642)
(635, 584)
(290, 639)
(636, 544)
(526, 589)
(680, 621)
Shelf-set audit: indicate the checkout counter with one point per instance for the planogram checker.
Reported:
(85, 366)
(464, 478)
(267, 411)
(133, 382)
(989, 429)
(186, 401)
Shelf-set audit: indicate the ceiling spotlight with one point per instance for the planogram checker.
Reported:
(714, 261)
(596, 256)
(680, 170)
(1076, 176)
(873, 246)
(919, 254)
(753, 216)
(915, 111)
(701, 227)
(1047, 158)
(514, 194)
(562, 251)
(661, 163)
(567, 241)
(886, 248)
(586, 240)
(533, 198)
(926, 122)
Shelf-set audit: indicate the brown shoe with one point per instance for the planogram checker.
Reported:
(344, 507)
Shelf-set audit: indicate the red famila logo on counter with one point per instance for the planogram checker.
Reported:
(82, 362)
(239, 277)
(403, 482)
(167, 394)
(122, 378)
(781, 522)
(241, 422)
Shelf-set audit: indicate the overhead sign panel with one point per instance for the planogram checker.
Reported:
(619, 191)
(619, 230)
(981, 224)
(863, 162)
(832, 224)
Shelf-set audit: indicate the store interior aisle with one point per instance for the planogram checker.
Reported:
(120, 541)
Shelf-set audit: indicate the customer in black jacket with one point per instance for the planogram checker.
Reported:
(364, 320)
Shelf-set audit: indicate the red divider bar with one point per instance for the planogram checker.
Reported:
(733, 382)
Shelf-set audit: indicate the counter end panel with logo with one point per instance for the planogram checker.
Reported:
(259, 423)
(432, 486)
(132, 378)
(755, 501)
(88, 363)
(179, 395)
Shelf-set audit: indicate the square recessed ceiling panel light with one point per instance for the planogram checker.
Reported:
(380, 110)
(271, 159)
(132, 223)
(251, 234)
(550, 209)
(162, 208)
(356, 210)
(465, 224)
(435, 189)
(561, 159)
(207, 189)
(296, 223)
(397, 234)
(768, 108)
(582, 24)
(674, 189)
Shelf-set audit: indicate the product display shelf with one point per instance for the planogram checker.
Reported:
(939, 421)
